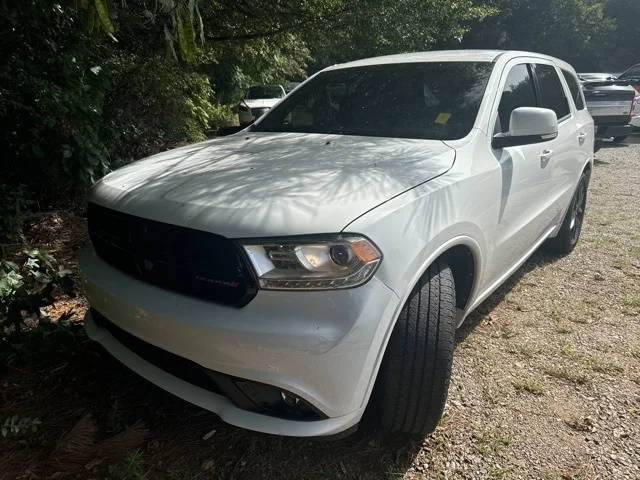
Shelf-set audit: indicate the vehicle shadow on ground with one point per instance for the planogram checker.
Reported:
(538, 259)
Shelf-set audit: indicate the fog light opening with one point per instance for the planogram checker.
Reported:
(273, 401)
(289, 399)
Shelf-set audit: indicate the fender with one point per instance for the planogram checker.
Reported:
(478, 258)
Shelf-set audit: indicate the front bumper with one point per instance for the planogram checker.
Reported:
(324, 347)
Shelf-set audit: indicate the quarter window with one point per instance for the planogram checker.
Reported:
(552, 94)
(518, 92)
(574, 87)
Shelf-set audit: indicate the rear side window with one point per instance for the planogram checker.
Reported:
(575, 89)
(551, 92)
(518, 92)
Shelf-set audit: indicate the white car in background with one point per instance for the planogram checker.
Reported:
(258, 100)
(316, 265)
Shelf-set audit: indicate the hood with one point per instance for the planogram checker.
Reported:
(261, 102)
(272, 184)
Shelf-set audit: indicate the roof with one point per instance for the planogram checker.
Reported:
(435, 56)
(443, 56)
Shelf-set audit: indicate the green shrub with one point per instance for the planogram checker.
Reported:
(130, 468)
(14, 205)
(16, 426)
(156, 103)
(25, 288)
(26, 334)
(51, 90)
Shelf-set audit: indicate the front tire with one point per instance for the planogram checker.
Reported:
(412, 386)
(569, 233)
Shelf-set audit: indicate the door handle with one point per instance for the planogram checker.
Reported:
(546, 155)
(582, 136)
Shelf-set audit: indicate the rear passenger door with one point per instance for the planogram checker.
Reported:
(584, 122)
(564, 154)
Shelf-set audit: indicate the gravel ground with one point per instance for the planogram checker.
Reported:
(546, 380)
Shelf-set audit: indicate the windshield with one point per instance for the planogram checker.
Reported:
(264, 91)
(437, 101)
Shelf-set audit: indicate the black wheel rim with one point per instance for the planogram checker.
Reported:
(577, 211)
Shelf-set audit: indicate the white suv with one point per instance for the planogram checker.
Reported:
(317, 264)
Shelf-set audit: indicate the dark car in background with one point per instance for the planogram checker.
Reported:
(632, 75)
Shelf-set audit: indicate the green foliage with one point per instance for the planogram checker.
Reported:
(381, 27)
(155, 103)
(17, 426)
(25, 288)
(623, 45)
(130, 468)
(577, 31)
(103, 15)
(26, 335)
(239, 65)
(14, 205)
(50, 101)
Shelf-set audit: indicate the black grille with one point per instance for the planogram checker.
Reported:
(189, 261)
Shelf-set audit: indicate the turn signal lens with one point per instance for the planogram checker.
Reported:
(318, 263)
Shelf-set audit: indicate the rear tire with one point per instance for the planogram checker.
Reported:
(569, 233)
(619, 139)
(412, 386)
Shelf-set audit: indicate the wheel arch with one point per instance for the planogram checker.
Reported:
(468, 253)
(462, 253)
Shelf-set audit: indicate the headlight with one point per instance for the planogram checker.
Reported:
(340, 261)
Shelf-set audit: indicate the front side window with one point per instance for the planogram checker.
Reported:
(519, 91)
(551, 91)
(576, 93)
(264, 91)
(437, 101)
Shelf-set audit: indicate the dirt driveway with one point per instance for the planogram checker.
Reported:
(546, 383)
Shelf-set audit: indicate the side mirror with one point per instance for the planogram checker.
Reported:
(528, 125)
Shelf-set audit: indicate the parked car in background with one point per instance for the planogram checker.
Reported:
(257, 101)
(317, 265)
(632, 75)
(611, 103)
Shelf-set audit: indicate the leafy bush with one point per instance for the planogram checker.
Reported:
(130, 468)
(16, 426)
(26, 334)
(25, 288)
(14, 205)
(75, 104)
(51, 91)
(154, 103)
